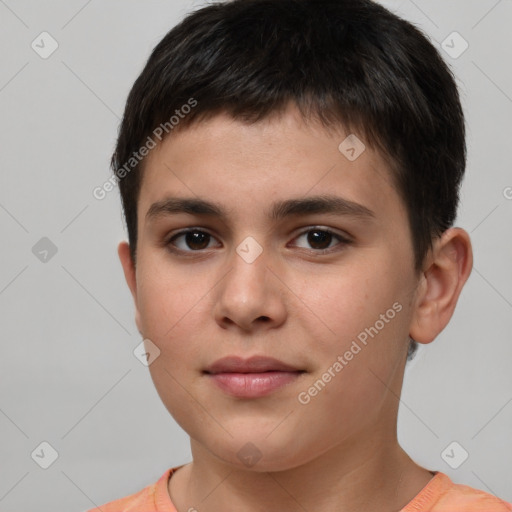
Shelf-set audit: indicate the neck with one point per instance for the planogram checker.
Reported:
(348, 478)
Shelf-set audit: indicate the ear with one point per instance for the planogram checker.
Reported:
(123, 250)
(447, 270)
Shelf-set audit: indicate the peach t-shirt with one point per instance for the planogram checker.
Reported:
(439, 495)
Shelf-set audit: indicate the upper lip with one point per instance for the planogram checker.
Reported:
(255, 364)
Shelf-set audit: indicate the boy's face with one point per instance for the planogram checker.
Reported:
(350, 304)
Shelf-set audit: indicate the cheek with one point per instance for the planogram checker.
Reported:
(171, 322)
(170, 315)
(351, 299)
(368, 311)
(164, 297)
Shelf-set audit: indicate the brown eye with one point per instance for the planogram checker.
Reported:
(191, 240)
(197, 239)
(319, 240)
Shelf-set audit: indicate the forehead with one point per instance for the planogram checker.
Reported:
(249, 166)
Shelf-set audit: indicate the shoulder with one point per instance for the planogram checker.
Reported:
(471, 500)
(443, 495)
(147, 499)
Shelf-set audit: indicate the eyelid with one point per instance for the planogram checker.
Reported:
(167, 241)
(342, 236)
(344, 239)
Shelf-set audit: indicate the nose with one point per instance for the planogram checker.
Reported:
(250, 297)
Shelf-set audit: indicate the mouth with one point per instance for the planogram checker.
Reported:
(251, 378)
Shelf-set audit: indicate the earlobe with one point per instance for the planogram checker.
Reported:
(123, 250)
(449, 267)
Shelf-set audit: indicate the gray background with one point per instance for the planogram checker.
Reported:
(68, 375)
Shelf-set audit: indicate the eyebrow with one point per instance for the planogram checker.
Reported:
(329, 204)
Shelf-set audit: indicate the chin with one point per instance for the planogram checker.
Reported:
(259, 454)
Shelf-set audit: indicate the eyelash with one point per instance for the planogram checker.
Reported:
(342, 240)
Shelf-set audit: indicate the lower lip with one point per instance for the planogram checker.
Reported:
(253, 385)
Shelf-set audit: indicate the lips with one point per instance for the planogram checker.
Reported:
(251, 378)
(255, 364)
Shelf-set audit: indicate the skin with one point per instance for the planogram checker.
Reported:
(293, 303)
